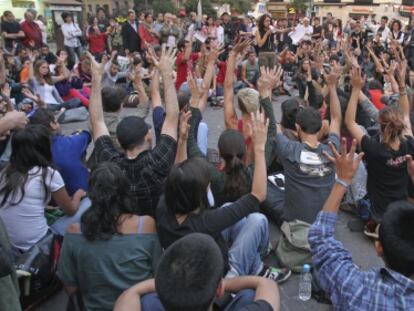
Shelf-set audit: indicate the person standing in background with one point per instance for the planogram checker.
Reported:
(11, 30)
(71, 33)
(33, 34)
(130, 34)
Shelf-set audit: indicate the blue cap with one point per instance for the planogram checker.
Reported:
(306, 268)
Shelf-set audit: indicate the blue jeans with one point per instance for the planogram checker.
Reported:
(70, 104)
(151, 302)
(202, 137)
(59, 227)
(248, 241)
(72, 52)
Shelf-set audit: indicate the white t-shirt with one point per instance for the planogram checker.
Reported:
(71, 32)
(25, 222)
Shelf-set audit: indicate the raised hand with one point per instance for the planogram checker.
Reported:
(356, 78)
(215, 53)
(167, 60)
(346, 163)
(197, 92)
(269, 80)
(97, 69)
(184, 126)
(240, 46)
(333, 76)
(259, 127)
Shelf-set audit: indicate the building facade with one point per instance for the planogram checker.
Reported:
(345, 9)
(18, 7)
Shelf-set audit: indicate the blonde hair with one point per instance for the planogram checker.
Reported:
(392, 124)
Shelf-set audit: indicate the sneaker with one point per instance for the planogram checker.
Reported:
(276, 274)
(372, 230)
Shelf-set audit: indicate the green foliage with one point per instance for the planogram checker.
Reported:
(155, 6)
(299, 5)
(191, 6)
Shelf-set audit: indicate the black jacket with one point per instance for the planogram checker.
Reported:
(130, 37)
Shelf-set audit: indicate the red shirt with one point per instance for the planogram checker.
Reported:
(376, 98)
(183, 67)
(33, 35)
(222, 66)
(97, 43)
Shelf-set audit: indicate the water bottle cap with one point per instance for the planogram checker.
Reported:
(306, 268)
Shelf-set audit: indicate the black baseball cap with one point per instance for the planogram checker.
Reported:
(131, 131)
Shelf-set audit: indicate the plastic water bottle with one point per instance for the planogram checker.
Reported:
(305, 284)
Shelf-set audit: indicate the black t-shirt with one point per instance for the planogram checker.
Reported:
(211, 222)
(328, 28)
(317, 32)
(387, 172)
(10, 27)
(259, 305)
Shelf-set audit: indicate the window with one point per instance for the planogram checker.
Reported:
(332, 1)
(408, 2)
(90, 7)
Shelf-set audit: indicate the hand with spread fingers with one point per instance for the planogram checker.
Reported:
(259, 126)
(167, 59)
(97, 69)
(197, 92)
(356, 79)
(346, 163)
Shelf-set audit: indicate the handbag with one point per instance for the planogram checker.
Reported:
(37, 259)
(293, 250)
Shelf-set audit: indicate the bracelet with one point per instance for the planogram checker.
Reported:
(341, 182)
(403, 93)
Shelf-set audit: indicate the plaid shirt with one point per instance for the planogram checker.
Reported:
(379, 289)
(146, 173)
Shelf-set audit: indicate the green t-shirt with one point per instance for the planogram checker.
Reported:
(103, 269)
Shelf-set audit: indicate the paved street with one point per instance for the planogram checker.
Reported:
(361, 247)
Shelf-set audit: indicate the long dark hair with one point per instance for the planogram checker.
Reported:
(108, 192)
(186, 186)
(232, 149)
(262, 18)
(31, 147)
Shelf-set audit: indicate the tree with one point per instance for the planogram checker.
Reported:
(299, 5)
(191, 6)
(155, 6)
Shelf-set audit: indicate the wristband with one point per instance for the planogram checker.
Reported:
(342, 182)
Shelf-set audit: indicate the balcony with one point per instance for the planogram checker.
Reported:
(332, 1)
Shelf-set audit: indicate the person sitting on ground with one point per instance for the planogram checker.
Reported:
(350, 288)
(145, 168)
(187, 280)
(385, 152)
(27, 184)
(238, 229)
(250, 70)
(42, 83)
(112, 73)
(307, 170)
(68, 151)
(111, 249)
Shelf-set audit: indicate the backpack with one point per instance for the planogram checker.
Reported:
(293, 250)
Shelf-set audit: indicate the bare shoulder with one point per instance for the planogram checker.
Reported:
(74, 228)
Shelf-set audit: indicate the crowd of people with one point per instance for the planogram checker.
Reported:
(154, 219)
